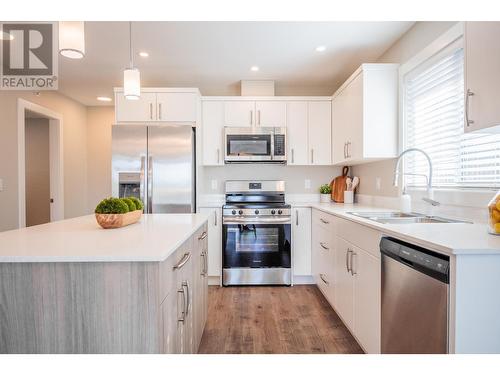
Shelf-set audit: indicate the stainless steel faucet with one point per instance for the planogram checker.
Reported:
(427, 177)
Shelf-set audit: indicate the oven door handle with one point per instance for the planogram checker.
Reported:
(256, 221)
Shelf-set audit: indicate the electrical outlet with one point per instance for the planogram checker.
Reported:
(214, 184)
(307, 184)
(378, 183)
(1, 184)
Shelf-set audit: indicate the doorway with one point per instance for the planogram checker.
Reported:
(39, 165)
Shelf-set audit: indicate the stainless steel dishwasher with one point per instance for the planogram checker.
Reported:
(415, 299)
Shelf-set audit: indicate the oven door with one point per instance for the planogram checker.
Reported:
(256, 245)
(248, 147)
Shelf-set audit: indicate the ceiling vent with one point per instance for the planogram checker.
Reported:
(257, 88)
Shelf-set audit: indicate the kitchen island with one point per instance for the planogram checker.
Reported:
(72, 287)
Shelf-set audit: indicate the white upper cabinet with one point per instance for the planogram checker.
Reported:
(309, 132)
(212, 126)
(365, 115)
(297, 133)
(240, 113)
(482, 76)
(157, 105)
(178, 107)
(320, 132)
(141, 110)
(270, 113)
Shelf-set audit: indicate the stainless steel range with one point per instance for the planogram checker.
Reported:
(256, 234)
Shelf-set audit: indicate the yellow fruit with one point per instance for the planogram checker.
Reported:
(498, 205)
(495, 216)
(497, 228)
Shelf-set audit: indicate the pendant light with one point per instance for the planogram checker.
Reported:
(131, 75)
(72, 39)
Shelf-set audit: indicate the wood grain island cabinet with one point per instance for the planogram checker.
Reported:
(127, 305)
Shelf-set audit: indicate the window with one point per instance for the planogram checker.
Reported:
(433, 109)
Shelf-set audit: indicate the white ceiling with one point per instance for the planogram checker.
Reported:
(215, 56)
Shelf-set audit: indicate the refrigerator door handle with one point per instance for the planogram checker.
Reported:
(142, 182)
(150, 185)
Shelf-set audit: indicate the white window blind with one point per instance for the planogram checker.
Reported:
(434, 122)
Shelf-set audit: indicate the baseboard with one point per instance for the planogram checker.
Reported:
(214, 280)
(303, 279)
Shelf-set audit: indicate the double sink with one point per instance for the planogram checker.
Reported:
(404, 218)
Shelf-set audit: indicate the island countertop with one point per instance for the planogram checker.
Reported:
(81, 239)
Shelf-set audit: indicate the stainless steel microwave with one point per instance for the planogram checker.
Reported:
(255, 145)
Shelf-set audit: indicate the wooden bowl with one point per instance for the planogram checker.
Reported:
(109, 221)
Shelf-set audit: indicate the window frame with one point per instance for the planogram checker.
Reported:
(434, 50)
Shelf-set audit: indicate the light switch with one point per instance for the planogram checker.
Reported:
(1, 184)
(307, 184)
(214, 184)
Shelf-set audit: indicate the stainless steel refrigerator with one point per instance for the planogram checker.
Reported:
(156, 164)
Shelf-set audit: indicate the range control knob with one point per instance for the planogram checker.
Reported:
(256, 212)
(280, 212)
(240, 212)
(273, 212)
(233, 212)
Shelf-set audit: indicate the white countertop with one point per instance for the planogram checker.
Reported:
(448, 238)
(81, 239)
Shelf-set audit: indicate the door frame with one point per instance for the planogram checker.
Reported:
(55, 159)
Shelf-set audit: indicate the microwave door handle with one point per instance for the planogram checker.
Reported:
(272, 146)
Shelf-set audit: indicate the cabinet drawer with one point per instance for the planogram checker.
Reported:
(324, 220)
(365, 238)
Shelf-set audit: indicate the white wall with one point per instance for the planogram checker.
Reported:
(74, 145)
(293, 176)
(412, 42)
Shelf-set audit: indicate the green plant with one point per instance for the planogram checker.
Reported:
(325, 189)
(112, 206)
(130, 203)
(138, 203)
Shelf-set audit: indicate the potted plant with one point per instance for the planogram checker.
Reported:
(118, 212)
(325, 193)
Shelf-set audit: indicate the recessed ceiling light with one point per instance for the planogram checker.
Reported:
(143, 54)
(104, 99)
(320, 49)
(254, 68)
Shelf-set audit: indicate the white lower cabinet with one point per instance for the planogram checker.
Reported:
(214, 241)
(348, 275)
(344, 296)
(366, 269)
(183, 312)
(301, 241)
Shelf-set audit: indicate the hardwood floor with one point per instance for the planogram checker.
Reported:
(279, 320)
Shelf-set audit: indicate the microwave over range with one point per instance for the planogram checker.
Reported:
(250, 145)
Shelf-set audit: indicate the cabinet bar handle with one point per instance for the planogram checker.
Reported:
(353, 254)
(297, 217)
(183, 312)
(159, 111)
(188, 302)
(293, 157)
(324, 221)
(467, 96)
(218, 156)
(258, 114)
(215, 218)
(251, 117)
(150, 111)
(324, 246)
(348, 149)
(345, 153)
(322, 277)
(202, 236)
(312, 156)
(347, 260)
(183, 261)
